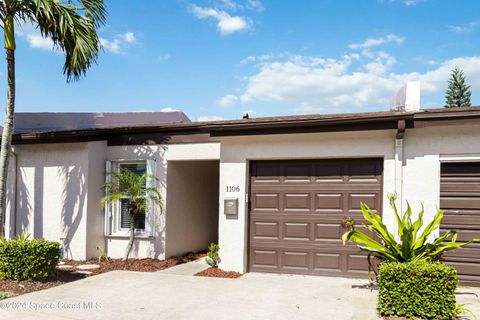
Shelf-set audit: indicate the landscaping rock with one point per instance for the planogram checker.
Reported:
(88, 266)
(64, 267)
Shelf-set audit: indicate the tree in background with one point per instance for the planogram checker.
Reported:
(458, 92)
(72, 27)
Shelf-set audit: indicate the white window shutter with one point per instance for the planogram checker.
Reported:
(150, 214)
(108, 206)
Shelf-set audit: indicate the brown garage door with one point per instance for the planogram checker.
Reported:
(296, 210)
(460, 198)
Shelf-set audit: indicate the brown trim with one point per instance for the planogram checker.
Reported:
(275, 125)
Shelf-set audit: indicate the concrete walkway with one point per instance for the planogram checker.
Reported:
(187, 269)
(134, 295)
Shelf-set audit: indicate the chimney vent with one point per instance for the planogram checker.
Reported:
(407, 98)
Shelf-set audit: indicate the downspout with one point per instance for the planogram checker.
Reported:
(401, 125)
(13, 204)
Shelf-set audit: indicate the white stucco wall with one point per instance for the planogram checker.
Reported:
(237, 151)
(192, 206)
(154, 247)
(51, 197)
(424, 150)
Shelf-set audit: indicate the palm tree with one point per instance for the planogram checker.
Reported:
(133, 188)
(72, 27)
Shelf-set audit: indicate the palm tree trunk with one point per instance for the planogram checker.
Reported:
(132, 236)
(7, 137)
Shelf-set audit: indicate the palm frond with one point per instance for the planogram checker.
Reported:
(72, 28)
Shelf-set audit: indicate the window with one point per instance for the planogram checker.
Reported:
(117, 217)
(137, 168)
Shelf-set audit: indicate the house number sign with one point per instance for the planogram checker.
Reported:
(233, 188)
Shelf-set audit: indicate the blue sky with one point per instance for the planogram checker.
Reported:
(216, 59)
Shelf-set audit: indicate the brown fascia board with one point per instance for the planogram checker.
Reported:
(377, 122)
(273, 125)
(101, 134)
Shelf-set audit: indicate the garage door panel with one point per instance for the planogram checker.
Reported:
(266, 202)
(306, 205)
(459, 202)
(265, 230)
(297, 202)
(329, 202)
(264, 258)
(460, 198)
(329, 172)
(327, 261)
(370, 199)
(357, 263)
(296, 231)
(328, 232)
(296, 260)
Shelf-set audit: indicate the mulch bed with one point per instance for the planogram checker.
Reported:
(59, 277)
(218, 273)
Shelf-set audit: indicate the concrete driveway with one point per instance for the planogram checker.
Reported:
(132, 295)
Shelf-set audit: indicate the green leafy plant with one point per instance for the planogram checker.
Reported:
(462, 312)
(213, 258)
(102, 255)
(6, 295)
(417, 289)
(126, 184)
(413, 237)
(24, 259)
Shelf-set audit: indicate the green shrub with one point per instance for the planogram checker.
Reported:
(24, 259)
(421, 289)
(213, 258)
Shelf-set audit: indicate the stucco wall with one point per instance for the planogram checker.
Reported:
(424, 151)
(236, 151)
(417, 181)
(192, 206)
(155, 246)
(97, 155)
(51, 199)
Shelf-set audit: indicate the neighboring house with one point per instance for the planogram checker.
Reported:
(272, 191)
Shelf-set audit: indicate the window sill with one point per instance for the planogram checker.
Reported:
(141, 236)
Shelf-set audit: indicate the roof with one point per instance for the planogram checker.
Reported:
(125, 124)
(33, 122)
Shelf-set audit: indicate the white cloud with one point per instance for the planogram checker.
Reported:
(226, 24)
(34, 38)
(255, 5)
(412, 2)
(308, 84)
(209, 118)
(129, 37)
(168, 109)
(373, 42)
(37, 41)
(227, 101)
(119, 43)
(469, 27)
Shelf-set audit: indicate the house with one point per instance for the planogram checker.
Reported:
(272, 191)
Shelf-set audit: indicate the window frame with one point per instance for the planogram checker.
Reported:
(117, 214)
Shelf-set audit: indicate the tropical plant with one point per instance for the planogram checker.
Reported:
(458, 92)
(72, 27)
(102, 255)
(213, 258)
(132, 187)
(414, 239)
